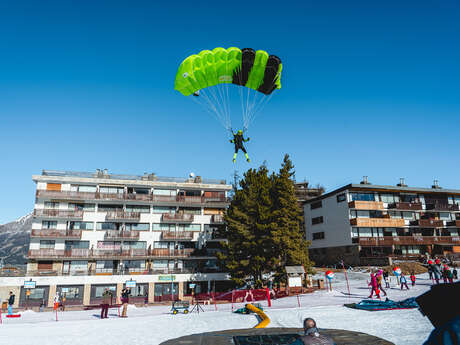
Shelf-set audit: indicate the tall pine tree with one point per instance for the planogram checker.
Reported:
(263, 230)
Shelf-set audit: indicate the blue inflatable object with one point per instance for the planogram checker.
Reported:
(374, 305)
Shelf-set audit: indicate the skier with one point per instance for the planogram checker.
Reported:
(450, 276)
(57, 301)
(312, 335)
(374, 285)
(430, 269)
(238, 140)
(444, 274)
(11, 303)
(379, 281)
(412, 278)
(454, 273)
(403, 281)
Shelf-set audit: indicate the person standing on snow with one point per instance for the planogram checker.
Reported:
(412, 278)
(379, 281)
(437, 273)
(374, 285)
(403, 281)
(454, 273)
(445, 269)
(430, 269)
(57, 301)
(450, 276)
(385, 277)
(124, 300)
(106, 300)
(11, 303)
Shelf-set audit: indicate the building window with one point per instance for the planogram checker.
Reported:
(389, 198)
(110, 208)
(167, 192)
(82, 207)
(111, 190)
(316, 204)
(83, 189)
(47, 244)
(163, 227)
(163, 209)
(51, 205)
(318, 235)
(81, 225)
(138, 208)
(362, 197)
(341, 197)
(190, 210)
(49, 224)
(317, 220)
(108, 226)
(138, 226)
(189, 227)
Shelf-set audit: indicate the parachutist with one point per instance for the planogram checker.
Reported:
(238, 140)
(196, 93)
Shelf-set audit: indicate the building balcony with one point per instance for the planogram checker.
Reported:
(442, 207)
(52, 213)
(65, 195)
(47, 253)
(177, 218)
(117, 235)
(454, 223)
(121, 215)
(77, 253)
(164, 252)
(177, 235)
(406, 206)
(366, 205)
(115, 253)
(56, 233)
(427, 223)
(407, 240)
(217, 219)
(377, 222)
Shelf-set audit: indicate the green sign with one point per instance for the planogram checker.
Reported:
(169, 278)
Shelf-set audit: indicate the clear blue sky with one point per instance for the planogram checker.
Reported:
(369, 88)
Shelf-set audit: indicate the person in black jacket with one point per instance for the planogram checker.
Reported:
(124, 300)
(238, 140)
(11, 303)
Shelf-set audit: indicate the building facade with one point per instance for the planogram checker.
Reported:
(368, 224)
(94, 230)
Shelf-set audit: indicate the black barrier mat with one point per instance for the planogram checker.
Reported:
(270, 339)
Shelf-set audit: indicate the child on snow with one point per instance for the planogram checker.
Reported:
(403, 281)
(412, 278)
(375, 286)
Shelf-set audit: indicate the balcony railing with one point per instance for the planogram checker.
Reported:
(366, 205)
(455, 223)
(120, 215)
(52, 213)
(121, 235)
(177, 235)
(77, 253)
(178, 217)
(164, 252)
(65, 195)
(56, 233)
(377, 222)
(408, 240)
(442, 207)
(406, 206)
(104, 253)
(427, 223)
(46, 253)
(217, 218)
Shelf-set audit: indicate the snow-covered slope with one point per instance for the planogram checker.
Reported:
(14, 240)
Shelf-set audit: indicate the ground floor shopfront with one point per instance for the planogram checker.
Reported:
(88, 290)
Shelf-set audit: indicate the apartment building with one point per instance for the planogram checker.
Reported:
(94, 230)
(371, 224)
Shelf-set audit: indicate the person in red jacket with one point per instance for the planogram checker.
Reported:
(412, 278)
(375, 286)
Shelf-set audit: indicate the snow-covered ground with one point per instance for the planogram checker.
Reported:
(152, 325)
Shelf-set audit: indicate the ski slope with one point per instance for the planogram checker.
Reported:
(152, 325)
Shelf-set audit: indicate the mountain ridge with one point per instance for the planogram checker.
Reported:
(14, 240)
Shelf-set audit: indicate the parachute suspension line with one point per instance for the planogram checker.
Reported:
(224, 104)
(220, 110)
(210, 107)
(228, 105)
(260, 106)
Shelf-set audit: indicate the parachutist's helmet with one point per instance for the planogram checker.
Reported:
(240, 132)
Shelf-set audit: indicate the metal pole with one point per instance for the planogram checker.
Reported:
(346, 278)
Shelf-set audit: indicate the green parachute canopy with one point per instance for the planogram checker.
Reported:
(215, 69)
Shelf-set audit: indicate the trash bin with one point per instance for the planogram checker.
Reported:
(320, 284)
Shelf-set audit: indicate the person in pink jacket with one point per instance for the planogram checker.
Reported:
(375, 286)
